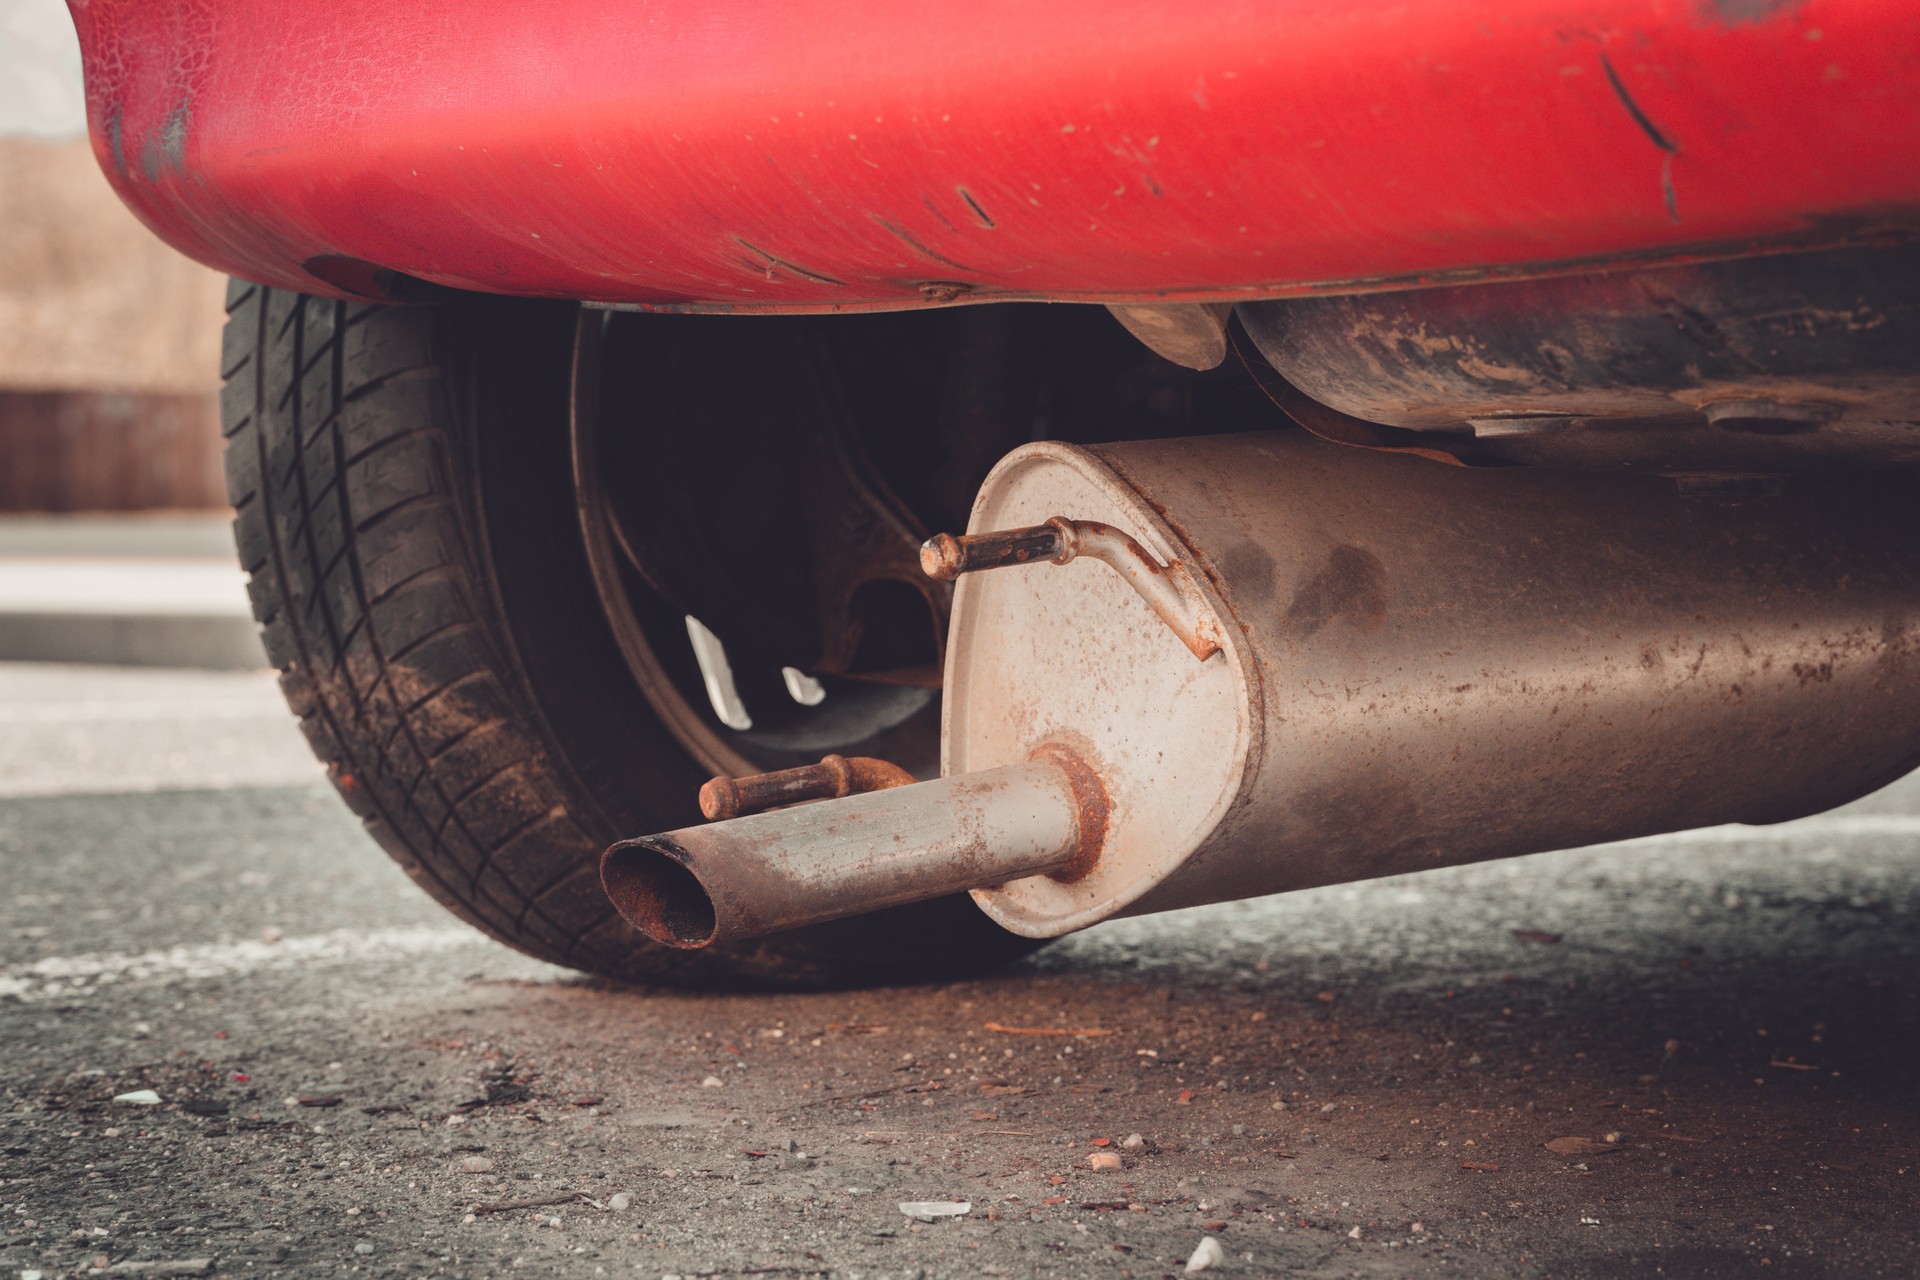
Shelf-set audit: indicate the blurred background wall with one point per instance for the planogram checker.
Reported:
(109, 340)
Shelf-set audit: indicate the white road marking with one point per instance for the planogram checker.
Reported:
(74, 978)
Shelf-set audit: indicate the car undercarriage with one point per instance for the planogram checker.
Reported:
(1040, 465)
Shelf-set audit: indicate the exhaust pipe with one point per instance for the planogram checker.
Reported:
(1267, 663)
(762, 873)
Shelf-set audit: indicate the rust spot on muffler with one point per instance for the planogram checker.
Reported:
(1092, 809)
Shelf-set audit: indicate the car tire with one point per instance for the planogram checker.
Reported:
(404, 510)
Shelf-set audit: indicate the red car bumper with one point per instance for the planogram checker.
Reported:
(744, 154)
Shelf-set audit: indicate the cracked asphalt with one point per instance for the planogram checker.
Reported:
(1688, 1056)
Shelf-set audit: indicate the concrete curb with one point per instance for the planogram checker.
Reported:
(148, 590)
(217, 641)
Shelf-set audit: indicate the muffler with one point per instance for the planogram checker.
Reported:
(1187, 671)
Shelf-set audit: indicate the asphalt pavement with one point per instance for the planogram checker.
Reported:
(1690, 1056)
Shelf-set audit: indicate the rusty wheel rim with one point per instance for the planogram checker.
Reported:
(657, 650)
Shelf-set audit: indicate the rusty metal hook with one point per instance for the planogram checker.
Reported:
(1168, 589)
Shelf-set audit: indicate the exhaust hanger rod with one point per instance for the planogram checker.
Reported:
(1168, 589)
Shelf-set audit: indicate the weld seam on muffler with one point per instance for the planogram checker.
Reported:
(811, 863)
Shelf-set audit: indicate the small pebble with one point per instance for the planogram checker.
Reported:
(1239, 1131)
(138, 1098)
(477, 1164)
(713, 1082)
(619, 1200)
(1133, 1141)
(1104, 1160)
(1354, 1234)
(1207, 1254)
(363, 1248)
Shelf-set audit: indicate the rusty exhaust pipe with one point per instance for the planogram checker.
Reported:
(1287, 664)
(766, 872)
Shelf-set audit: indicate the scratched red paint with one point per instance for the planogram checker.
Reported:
(741, 153)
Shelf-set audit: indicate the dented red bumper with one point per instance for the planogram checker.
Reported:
(847, 153)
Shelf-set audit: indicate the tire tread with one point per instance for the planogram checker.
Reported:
(338, 466)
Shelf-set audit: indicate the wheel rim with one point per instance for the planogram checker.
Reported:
(789, 724)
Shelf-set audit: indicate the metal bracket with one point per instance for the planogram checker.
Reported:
(1168, 589)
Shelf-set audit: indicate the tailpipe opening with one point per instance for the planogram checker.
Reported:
(651, 887)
